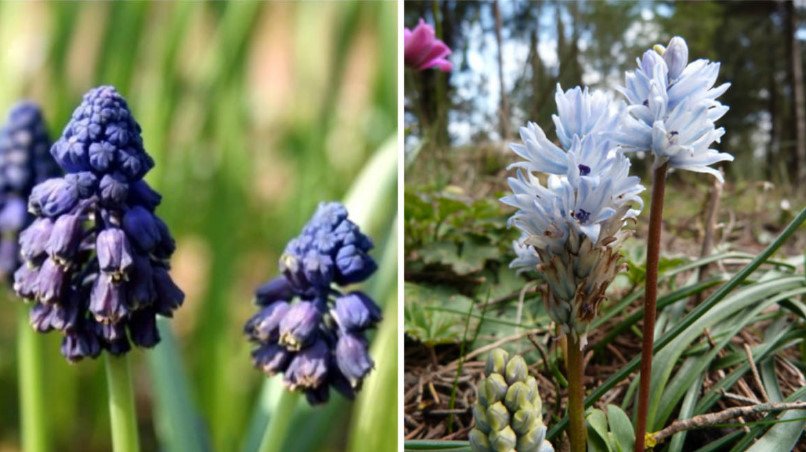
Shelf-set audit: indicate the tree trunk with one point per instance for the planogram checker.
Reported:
(798, 100)
(504, 106)
(771, 169)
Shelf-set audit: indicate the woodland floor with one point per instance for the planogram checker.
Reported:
(748, 218)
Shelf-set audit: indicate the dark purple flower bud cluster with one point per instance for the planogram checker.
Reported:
(96, 256)
(24, 162)
(309, 329)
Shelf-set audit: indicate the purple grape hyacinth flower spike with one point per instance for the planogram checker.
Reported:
(308, 328)
(96, 255)
(24, 162)
(422, 49)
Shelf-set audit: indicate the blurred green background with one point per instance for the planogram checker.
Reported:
(253, 112)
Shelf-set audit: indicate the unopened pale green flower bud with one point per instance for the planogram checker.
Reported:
(480, 415)
(503, 440)
(478, 440)
(523, 419)
(517, 396)
(497, 362)
(493, 389)
(534, 440)
(516, 370)
(498, 416)
(508, 410)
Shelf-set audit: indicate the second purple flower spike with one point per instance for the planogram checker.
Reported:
(309, 329)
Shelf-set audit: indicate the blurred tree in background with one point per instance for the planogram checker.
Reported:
(759, 43)
(254, 113)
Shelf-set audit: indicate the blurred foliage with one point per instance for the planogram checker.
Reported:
(254, 112)
(545, 43)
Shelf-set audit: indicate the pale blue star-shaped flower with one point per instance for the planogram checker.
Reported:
(588, 186)
(673, 109)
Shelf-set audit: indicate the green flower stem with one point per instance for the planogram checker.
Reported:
(280, 420)
(32, 395)
(576, 396)
(650, 299)
(121, 404)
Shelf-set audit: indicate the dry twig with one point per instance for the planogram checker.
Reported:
(709, 419)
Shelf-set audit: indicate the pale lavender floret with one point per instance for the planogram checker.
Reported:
(25, 281)
(265, 325)
(355, 311)
(352, 357)
(299, 325)
(271, 358)
(49, 281)
(65, 237)
(113, 251)
(53, 197)
(79, 344)
(309, 367)
(107, 300)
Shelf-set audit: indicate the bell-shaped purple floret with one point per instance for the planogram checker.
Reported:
(53, 197)
(141, 227)
(79, 344)
(271, 359)
(65, 238)
(353, 265)
(278, 289)
(114, 254)
(308, 369)
(50, 281)
(352, 357)
(25, 282)
(141, 194)
(356, 312)
(143, 328)
(140, 286)
(169, 296)
(265, 325)
(34, 239)
(108, 301)
(299, 325)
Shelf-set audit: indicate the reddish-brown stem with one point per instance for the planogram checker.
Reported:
(650, 298)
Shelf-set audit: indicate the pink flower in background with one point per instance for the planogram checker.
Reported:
(423, 50)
